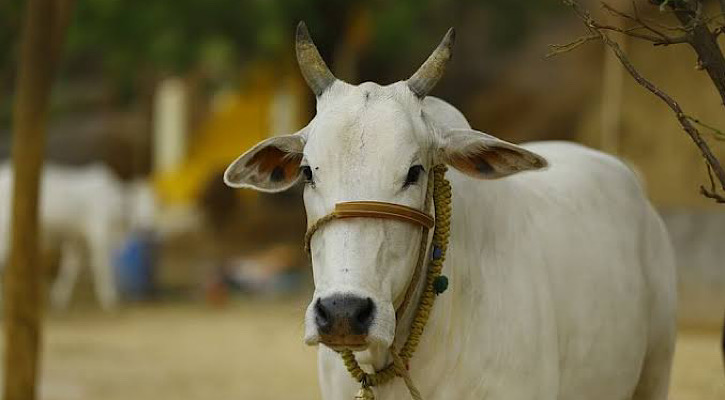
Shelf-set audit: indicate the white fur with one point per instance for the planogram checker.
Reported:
(562, 280)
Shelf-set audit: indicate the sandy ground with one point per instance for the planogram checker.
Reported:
(250, 350)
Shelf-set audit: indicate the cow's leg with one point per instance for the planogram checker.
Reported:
(104, 283)
(71, 259)
(103, 276)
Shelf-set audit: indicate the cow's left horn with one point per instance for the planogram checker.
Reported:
(313, 67)
(426, 77)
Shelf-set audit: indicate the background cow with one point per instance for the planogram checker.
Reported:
(85, 214)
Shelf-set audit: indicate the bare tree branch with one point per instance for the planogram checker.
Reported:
(599, 31)
(696, 28)
(659, 37)
(658, 40)
(634, 18)
(714, 17)
(647, 21)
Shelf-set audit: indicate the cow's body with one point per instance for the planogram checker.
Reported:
(81, 212)
(562, 286)
(562, 279)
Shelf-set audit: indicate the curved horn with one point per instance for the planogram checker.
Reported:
(313, 67)
(426, 77)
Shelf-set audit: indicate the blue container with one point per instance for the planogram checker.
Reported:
(135, 266)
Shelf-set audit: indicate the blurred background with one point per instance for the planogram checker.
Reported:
(165, 284)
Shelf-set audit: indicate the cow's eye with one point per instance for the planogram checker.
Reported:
(413, 175)
(306, 173)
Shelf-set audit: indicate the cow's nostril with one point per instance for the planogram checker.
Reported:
(322, 316)
(365, 314)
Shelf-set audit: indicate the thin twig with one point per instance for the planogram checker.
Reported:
(659, 38)
(640, 20)
(556, 49)
(718, 31)
(716, 133)
(653, 22)
(713, 17)
(712, 193)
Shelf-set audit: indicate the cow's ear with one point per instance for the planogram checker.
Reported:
(483, 156)
(272, 165)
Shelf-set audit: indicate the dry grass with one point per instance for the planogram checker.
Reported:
(247, 351)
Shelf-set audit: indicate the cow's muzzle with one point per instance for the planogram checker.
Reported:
(343, 321)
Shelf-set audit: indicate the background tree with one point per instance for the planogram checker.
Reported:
(44, 26)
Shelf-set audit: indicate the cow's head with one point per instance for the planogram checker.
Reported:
(367, 142)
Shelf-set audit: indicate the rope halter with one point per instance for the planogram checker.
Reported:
(439, 191)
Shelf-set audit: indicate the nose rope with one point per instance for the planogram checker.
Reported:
(439, 244)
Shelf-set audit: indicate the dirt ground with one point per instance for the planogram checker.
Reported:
(250, 350)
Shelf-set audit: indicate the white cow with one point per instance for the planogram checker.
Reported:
(81, 211)
(562, 279)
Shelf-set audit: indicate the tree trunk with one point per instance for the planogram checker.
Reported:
(44, 26)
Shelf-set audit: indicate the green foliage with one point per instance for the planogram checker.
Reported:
(169, 35)
(10, 13)
(165, 36)
(174, 35)
(399, 22)
(123, 39)
(513, 20)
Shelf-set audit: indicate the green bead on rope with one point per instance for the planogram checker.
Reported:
(440, 284)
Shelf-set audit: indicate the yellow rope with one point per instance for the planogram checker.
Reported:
(441, 233)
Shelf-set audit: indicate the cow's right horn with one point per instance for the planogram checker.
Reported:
(426, 77)
(313, 67)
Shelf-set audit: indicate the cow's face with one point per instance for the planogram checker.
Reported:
(367, 142)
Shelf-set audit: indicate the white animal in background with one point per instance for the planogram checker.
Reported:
(562, 278)
(140, 207)
(86, 211)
